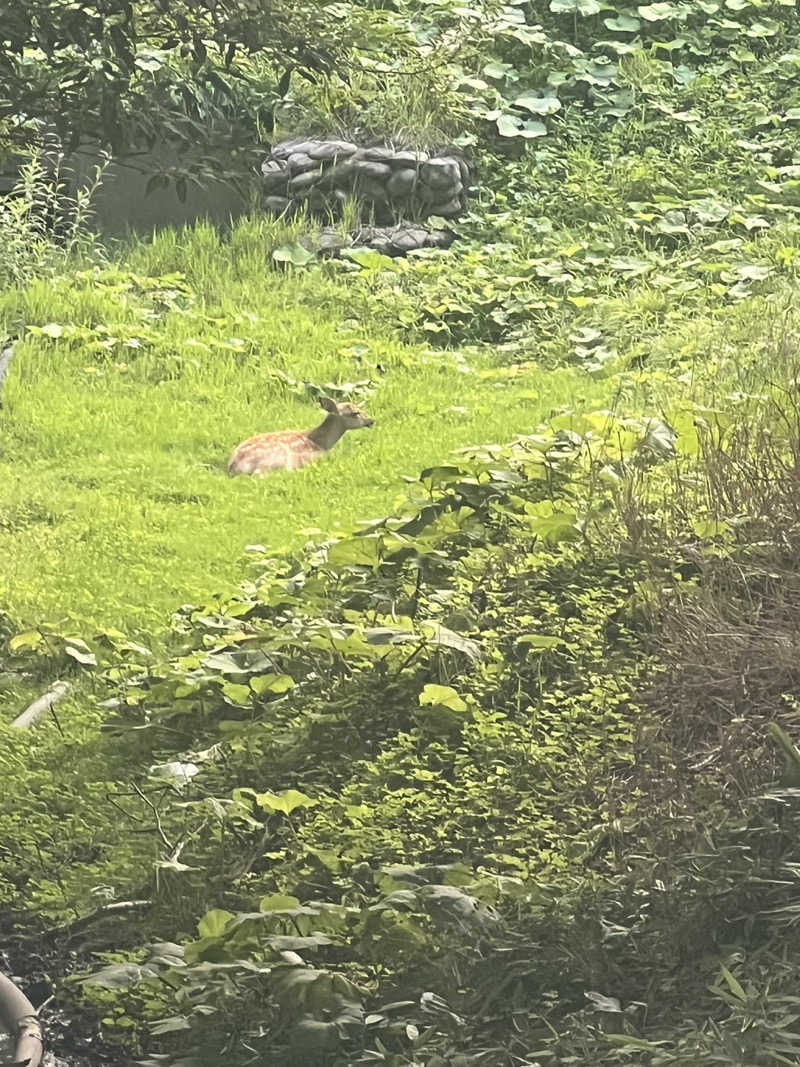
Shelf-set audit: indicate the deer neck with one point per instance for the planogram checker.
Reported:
(327, 433)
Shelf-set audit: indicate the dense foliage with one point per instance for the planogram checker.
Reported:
(495, 779)
(202, 79)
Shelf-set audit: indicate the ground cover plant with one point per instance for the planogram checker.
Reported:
(165, 373)
(498, 776)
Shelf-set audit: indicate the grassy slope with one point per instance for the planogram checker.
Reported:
(114, 502)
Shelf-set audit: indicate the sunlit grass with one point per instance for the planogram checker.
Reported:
(115, 505)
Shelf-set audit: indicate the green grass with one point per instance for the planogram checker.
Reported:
(115, 505)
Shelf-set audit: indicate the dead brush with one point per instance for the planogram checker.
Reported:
(724, 608)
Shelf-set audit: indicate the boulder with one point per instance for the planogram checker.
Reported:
(301, 161)
(331, 242)
(408, 240)
(448, 210)
(441, 173)
(276, 205)
(325, 150)
(378, 154)
(341, 174)
(276, 175)
(325, 172)
(302, 184)
(286, 148)
(406, 159)
(401, 184)
(365, 168)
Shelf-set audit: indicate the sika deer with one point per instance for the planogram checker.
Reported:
(288, 450)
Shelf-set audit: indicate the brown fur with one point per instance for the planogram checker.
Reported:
(289, 450)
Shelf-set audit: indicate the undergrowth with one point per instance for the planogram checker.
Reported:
(506, 777)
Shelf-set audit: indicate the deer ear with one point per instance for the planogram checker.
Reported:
(327, 404)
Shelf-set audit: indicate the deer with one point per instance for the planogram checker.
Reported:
(289, 450)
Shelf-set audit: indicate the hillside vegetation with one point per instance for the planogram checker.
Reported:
(474, 744)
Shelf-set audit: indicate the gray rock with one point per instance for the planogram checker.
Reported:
(366, 168)
(381, 243)
(341, 174)
(285, 148)
(301, 161)
(372, 190)
(275, 175)
(303, 183)
(464, 172)
(317, 200)
(331, 242)
(272, 166)
(441, 173)
(378, 154)
(440, 239)
(425, 195)
(401, 184)
(276, 204)
(405, 159)
(439, 196)
(332, 150)
(447, 210)
(409, 240)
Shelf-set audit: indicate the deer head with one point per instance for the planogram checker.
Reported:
(352, 417)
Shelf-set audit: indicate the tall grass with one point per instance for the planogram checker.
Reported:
(43, 223)
(115, 505)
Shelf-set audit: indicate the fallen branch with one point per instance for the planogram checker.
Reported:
(72, 928)
(19, 1018)
(31, 715)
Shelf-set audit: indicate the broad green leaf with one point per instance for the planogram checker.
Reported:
(733, 984)
(278, 902)
(533, 128)
(623, 23)
(442, 695)
(659, 12)
(83, 655)
(604, 1003)
(497, 70)
(539, 642)
(368, 258)
(149, 62)
(224, 663)
(286, 802)
(171, 1025)
(296, 254)
(237, 694)
(538, 105)
(271, 683)
(576, 7)
(25, 641)
(753, 272)
(450, 639)
(355, 552)
(214, 923)
(120, 976)
(556, 527)
(52, 329)
(710, 528)
(175, 771)
(509, 125)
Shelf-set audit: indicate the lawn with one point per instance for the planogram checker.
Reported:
(118, 419)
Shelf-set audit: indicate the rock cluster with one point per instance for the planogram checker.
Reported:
(390, 184)
(394, 241)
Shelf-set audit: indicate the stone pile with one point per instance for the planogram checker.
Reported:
(389, 184)
(394, 241)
